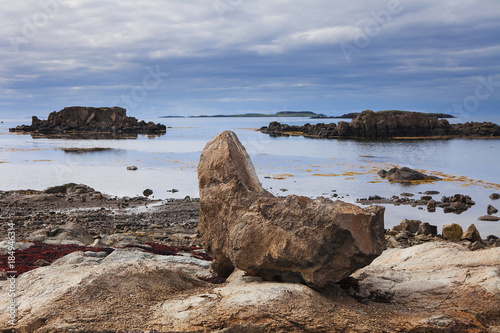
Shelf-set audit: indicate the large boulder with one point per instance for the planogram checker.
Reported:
(292, 239)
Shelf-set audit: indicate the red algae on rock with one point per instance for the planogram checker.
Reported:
(25, 259)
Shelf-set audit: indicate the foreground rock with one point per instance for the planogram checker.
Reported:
(292, 239)
(410, 290)
(418, 277)
(371, 124)
(87, 119)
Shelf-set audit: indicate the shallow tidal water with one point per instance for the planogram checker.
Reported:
(285, 165)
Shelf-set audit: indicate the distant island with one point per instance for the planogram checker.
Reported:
(310, 114)
(277, 114)
(353, 115)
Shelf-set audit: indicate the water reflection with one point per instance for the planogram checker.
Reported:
(91, 135)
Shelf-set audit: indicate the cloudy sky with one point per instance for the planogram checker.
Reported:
(189, 57)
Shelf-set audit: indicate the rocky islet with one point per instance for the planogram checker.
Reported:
(81, 120)
(383, 125)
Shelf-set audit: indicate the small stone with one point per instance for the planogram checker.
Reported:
(426, 197)
(476, 246)
(401, 236)
(452, 232)
(431, 192)
(458, 206)
(405, 194)
(41, 263)
(489, 218)
(408, 225)
(495, 196)
(491, 238)
(427, 229)
(491, 210)
(132, 168)
(147, 192)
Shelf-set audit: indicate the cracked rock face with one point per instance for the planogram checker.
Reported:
(292, 239)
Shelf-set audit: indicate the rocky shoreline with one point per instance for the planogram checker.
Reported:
(88, 121)
(385, 125)
(239, 259)
(142, 220)
(133, 227)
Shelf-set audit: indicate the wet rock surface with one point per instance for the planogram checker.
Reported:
(45, 215)
(371, 124)
(457, 203)
(88, 119)
(405, 174)
(415, 232)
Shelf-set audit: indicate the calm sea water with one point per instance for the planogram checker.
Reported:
(285, 165)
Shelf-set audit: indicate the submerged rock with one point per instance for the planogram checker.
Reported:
(489, 218)
(491, 210)
(293, 239)
(494, 196)
(405, 174)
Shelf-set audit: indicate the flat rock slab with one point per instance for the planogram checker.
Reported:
(489, 218)
(292, 239)
(436, 276)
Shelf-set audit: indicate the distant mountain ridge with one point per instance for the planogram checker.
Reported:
(353, 115)
(277, 114)
(311, 114)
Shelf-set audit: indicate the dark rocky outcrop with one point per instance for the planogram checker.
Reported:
(88, 119)
(294, 239)
(457, 203)
(373, 125)
(405, 174)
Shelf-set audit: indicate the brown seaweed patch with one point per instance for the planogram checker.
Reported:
(83, 150)
(282, 176)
